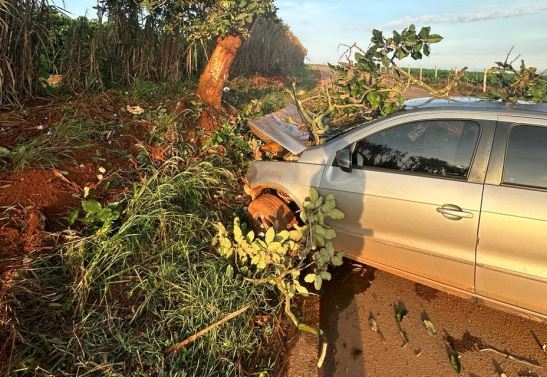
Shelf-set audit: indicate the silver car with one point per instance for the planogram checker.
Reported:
(450, 194)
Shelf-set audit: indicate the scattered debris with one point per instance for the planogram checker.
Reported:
(529, 362)
(430, 328)
(404, 335)
(431, 331)
(136, 110)
(541, 345)
(281, 131)
(400, 310)
(452, 353)
(374, 325)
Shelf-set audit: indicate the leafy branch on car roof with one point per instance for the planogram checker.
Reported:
(524, 83)
(372, 83)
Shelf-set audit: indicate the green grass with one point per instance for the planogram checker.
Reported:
(54, 145)
(111, 305)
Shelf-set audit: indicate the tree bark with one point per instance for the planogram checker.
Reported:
(212, 80)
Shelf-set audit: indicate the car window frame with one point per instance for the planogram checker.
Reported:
(510, 128)
(478, 122)
(496, 160)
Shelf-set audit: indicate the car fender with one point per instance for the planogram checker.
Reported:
(293, 179)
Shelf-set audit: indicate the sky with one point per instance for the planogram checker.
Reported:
(476, 33)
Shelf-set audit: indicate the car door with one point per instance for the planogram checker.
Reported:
(411, 205)
(512, 250)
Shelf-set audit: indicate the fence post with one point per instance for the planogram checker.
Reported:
(484, 80)
(421, 70)
(436, 70)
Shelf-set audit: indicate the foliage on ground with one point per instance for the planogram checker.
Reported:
(279, 257)
(134, 276)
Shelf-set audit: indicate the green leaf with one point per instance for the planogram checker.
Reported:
(318, 282)
(329, 249)
(309, 278)
(230, 272)
(377, 37)
(337, 260)
(301, 289)
(295, 235)
(336, 214)
(455, 362)
(270, 235)
(314, 194)
(429, 327)
(427, 50)
(105, 214)
(400, 53)
(275, 247)
(73, 216)
(434, 38)
(374, 99)
(329, 234)
(4, 152)
(237, 232)
(91, 206)
(424, 32)
(325, 275)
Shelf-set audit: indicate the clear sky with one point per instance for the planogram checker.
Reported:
(476, 32)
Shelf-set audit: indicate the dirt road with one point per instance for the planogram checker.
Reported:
(474, 332)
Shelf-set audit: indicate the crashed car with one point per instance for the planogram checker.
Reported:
(451, 194)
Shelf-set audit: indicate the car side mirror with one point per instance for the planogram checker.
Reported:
(343, 158)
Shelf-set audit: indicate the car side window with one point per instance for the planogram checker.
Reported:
(434, 147)
(526, 157)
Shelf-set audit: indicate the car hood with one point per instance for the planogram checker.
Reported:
(284, 128)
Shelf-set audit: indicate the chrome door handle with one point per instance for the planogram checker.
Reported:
(453, 212)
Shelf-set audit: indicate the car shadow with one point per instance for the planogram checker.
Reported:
(340, 318)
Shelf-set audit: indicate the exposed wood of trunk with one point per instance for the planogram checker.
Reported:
(211, 81)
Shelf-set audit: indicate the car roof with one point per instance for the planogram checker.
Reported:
(476, 104)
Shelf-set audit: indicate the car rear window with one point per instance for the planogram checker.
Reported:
(526, 156)
(434, 147)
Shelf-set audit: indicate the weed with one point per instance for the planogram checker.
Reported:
(98, 219)
(55, 144)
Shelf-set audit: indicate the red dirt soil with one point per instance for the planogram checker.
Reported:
(35, 202)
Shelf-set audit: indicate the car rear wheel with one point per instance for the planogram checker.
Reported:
(269, 210)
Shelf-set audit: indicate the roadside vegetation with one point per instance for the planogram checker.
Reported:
(127, 269)
(110, 189)
(127, 166)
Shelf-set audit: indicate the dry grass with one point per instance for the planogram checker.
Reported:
(37, 40)
(24, 26)
(271, 47)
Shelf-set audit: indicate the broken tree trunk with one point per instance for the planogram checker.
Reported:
(213, 79)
